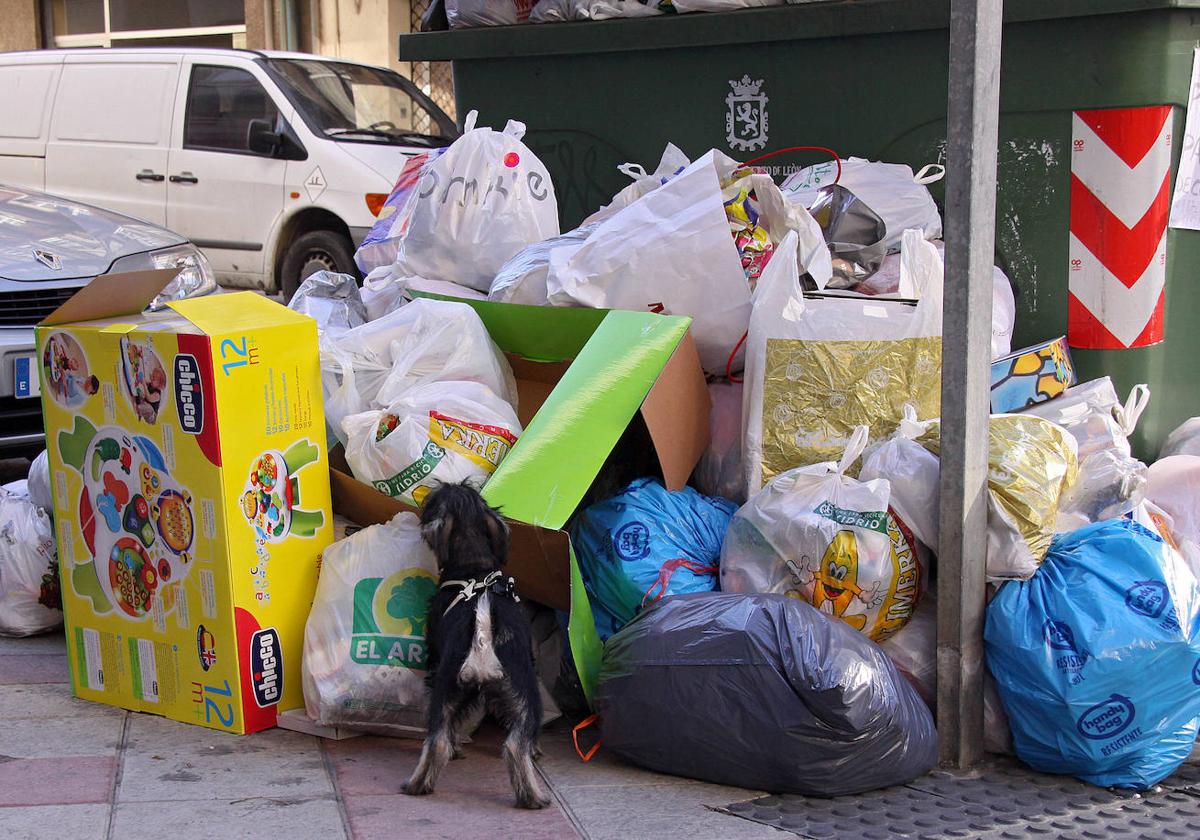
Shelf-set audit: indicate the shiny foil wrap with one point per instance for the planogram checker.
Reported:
(816, 392)
(1031, 463)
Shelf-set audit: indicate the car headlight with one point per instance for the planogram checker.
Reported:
(195, 277)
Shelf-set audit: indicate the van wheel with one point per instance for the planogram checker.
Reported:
(317, 250)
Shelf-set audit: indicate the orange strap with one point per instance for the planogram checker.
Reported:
(836, 157)
(737, 380)
(583, 724)
(671, 567)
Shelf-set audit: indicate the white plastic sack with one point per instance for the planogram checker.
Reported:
(436, 432)
(18, 488)
(39, 482)
(382, 291)
(364, 645)
(671, 251)
(816, 534)
(476, 206)
(523, 278)
(1162, 523)
(461, 14)
(914, 474)
(1094, 415)
(886, 281)
(30, 599)
(672, 162)
(682, 6)
(816, 367)
(1174, 486)
(331, 299)
(719, 471)
(1185, 440)
(1109, 485)
(892, 190)
(424, 341)
(550, 11)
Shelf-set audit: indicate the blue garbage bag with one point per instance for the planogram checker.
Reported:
(646, 543)
(1097, 657)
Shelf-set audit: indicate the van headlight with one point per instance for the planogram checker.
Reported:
(195, 276)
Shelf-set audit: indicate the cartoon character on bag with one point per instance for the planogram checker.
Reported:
(834, 582)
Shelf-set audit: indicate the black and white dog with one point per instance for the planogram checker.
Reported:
(478, 642)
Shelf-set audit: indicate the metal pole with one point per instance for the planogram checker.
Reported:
(972, 116)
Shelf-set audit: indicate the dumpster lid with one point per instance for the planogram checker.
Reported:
(776, 23)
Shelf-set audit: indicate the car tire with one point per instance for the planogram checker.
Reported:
(315, 251)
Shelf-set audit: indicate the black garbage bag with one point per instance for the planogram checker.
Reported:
(760, 691)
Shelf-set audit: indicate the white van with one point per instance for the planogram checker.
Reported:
(274, 164)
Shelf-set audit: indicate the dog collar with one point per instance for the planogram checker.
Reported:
(470, 588)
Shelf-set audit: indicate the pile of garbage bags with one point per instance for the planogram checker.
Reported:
(462, 14)
(30, 593)
(797, 572)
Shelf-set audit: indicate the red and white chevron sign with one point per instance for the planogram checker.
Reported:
(1120, 198)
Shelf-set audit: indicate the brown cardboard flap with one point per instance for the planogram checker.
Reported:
(538, 558)
(112, 295)
(676, 412)
(535, 381)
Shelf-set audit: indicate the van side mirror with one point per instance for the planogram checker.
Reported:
(262, 138)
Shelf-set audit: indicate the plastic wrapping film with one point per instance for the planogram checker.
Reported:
(1031, 462)
(761, 692)
(816, 392)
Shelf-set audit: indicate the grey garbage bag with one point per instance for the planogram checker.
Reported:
(331, 299)
(762, 692)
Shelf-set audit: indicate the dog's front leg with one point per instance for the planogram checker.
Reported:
(435, 754)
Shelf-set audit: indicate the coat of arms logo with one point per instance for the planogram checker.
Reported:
(746, 119)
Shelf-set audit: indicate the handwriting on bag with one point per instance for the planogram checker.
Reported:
(466, 190)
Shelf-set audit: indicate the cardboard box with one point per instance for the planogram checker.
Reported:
(586, 379)
(1031, 375)
(191, 496)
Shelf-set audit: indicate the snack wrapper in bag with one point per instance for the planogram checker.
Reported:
(815, 534)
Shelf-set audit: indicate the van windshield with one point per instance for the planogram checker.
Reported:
(353, 103)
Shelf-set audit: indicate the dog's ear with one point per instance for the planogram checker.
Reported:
(497, 530)
(436, 532)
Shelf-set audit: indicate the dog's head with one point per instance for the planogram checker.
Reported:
(463, 531)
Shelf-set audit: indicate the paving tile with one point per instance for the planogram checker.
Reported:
(54, 737)
(167, 761)
(619, 812)
(46, 643)
(378, 766)
(34, 668)
(78, 822)
(454, 816)
(48, 701)
(562, 765)
(222, 819)
(56, 781)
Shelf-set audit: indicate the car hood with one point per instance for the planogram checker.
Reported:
(385, 159)
(74, 240)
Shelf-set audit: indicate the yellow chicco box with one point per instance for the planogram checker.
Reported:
(191, 497)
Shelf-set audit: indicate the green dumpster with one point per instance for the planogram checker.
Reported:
(1093, 96)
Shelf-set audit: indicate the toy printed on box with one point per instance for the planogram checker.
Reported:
(143, 379)
(136, 521)
(1031, 376)
(272, 494)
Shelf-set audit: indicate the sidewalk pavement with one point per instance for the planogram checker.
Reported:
(79, 770)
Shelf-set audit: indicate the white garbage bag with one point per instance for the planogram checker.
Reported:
(816, 534)
(550, 11)
(39, 482)
(382, 291)
(30, 598)
(365, 655)
(719, 471)
(424, 341)
(682, 6)
(475, 206)
(818, 366)
(672, 162)
(672, 251)
(331, 299)
(897, 195)
(436, 432)
(1094, 415)
(1185, 440)
(1162, 523)
(523, 278)
(1109, 485)
(461, 14)
(1174, 486)
(914, 473)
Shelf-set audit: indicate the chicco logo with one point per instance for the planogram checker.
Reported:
(632, 541)
(1107, 718)
(189, 397)
(266, 667)
(1147, 597)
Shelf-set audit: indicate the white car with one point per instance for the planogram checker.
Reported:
(274, 164)
(49, 248)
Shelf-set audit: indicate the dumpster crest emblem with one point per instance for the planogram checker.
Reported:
(746, 115)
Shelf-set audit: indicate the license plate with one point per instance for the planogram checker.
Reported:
(25, 377)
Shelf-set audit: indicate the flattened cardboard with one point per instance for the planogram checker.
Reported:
(676, 412)
(112, 295)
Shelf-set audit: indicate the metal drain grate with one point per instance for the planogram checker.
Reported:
(1001, 800)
